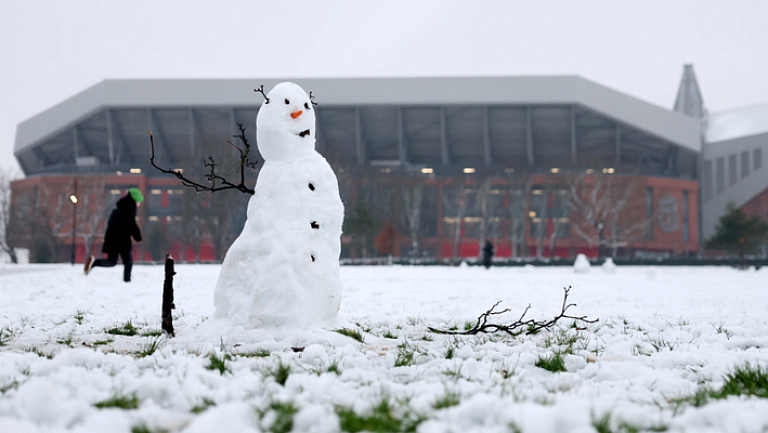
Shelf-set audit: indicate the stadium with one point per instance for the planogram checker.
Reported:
(428, 168)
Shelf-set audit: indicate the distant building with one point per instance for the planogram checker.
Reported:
(446, 162)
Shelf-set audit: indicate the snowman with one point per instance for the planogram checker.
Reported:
(283, 269)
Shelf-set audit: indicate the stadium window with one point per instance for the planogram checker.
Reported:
(757, 159)
(719, 175)
(686, 236)
(732, 176)
(744, 164)
(706, 180)
(649, 210)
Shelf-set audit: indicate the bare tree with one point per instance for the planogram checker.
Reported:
(91, 213)
(455, 201)
(7, 234)
(518, 206)
(483, 191)
(607, 211)
(51, 222)
(412, 195)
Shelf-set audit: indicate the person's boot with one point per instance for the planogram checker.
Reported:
(88, 265)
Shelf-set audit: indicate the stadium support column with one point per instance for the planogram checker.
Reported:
(574, 156)
(75, 140)
(359, 139)
(529, 134)
(488, 157)
(401, 141)
(110, 137)
(618, 145)
(444, 153)
(191, 131)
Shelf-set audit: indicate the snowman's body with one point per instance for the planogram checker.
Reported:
(284, 266)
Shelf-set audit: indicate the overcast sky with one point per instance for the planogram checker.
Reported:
(51, 50)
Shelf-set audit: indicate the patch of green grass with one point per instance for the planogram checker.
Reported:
(67, 341)
(746, 379)
(351, 333)
(468, 325)
(283, 416)
(381, 418)
(126, 329)
(39, 352)
(661, 344)
(203, 406)
(449, 399)
(427, 337)
(120, 402)
(389, 335)
(367, 329)
(450, 352)
(454, 372)
(532, 330)
(6, 334)
(720, 329)
(152, 333)
(218, 363)
(566, 338)
(148, 349)
(414, 321)
(258, 353)
(554, 363)
(334, 368)
(79, 316)
(103, 342)
(281, 373)
(9, 386)
(607, 424)
(142, 428)
(405, 355)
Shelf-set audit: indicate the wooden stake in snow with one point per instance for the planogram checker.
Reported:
(168, 304)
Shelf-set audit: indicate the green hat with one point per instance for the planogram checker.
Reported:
(136, 195)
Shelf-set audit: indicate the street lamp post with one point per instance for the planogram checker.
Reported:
(73, 199)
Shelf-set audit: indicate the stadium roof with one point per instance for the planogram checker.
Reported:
(535, 90)
(742, 122)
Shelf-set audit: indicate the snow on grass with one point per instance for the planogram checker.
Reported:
(676, 349)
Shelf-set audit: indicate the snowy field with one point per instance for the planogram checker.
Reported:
(666, 340)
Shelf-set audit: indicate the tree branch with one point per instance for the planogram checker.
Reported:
(211, 165)
(521, 325)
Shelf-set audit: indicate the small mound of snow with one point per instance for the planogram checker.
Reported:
(609, 266)
(581, 265)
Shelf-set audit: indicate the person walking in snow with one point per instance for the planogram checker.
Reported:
(487, 254)
(121, 227)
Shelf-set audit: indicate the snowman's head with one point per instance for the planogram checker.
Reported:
(285, 125)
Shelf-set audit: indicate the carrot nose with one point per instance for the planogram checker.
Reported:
(296, 114)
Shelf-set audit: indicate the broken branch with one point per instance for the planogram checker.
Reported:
(521, 325)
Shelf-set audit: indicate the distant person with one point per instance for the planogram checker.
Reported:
(487, 254)
(121, 227)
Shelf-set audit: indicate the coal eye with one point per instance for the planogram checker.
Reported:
(306, 105)
(287, 102)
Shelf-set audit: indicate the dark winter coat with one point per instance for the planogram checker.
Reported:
(121, 227)
(487, 254)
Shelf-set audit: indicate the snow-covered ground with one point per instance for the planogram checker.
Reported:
(664, 334)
